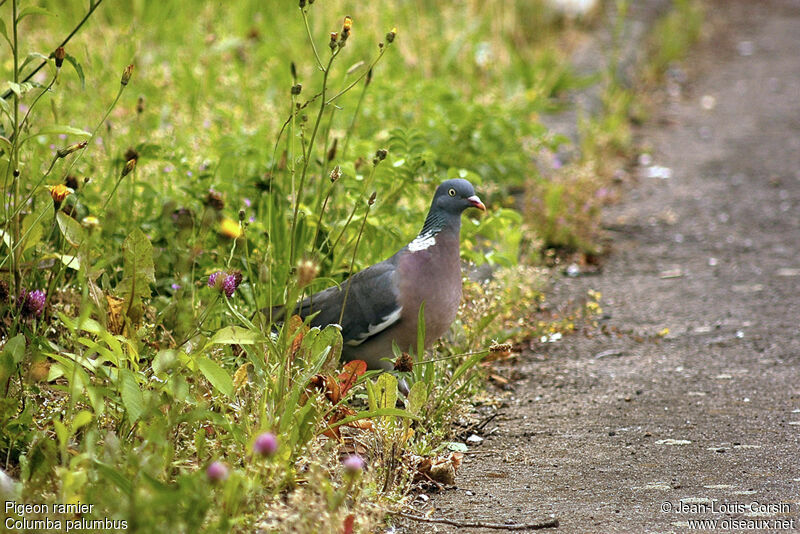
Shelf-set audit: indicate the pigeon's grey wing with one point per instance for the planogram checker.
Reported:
(371, 307)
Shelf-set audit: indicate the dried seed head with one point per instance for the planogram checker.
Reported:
(129, 166)
(71, 182)
(302, 4)
(242, 215)
(372, 198)
(67, 150)
(380, 155)
(59, 54)
(391, 35)
(183, 218)
(140, 105)
(130, 154)
(215, 200)
(296, 88)
(126, 74)
(307, 270)
(404, 363)
(332, 150)
(3, 291)
(336, 173)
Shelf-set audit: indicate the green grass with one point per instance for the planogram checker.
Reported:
(237, 147)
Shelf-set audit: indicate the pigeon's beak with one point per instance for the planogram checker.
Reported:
(475, 201)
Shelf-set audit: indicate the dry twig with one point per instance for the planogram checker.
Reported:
(546, 523)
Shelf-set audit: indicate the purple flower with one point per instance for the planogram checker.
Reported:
(217, 472)
(32, 303)
(215, 280)
(175, 287)
(266, 444)
(229, 285)
(248, 202)
(354, 463)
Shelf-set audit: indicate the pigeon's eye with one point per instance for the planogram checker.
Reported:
(452, 192)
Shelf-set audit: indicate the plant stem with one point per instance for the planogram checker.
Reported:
(361, 77)
(353, 261)
(307, 156)
(311, 39)
(350, 128)
(14, 160)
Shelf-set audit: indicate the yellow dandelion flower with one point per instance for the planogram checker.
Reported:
(59, 192)
(230, 228)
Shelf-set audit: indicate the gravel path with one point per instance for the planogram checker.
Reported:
(618, 430)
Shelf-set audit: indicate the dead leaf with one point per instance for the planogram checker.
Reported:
(240, 377)
(348, 524)
(116, 319)
(349, 375)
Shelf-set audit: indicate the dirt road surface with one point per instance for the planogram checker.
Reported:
(623, 431)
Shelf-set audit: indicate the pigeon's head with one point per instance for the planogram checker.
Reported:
(456, 195)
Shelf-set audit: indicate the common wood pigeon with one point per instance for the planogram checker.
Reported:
(383, 301)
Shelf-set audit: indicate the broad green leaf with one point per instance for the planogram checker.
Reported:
(215, 374)
(386, 390)
(78, 69)
(12, 354)
(72, 230)
(5, 32)
(132, 398)
(6, 238)
(15, 88)
(165, 360)
(30, 57)
(83, 418)
(138, 269)
(321, 346)
(34, 224)
(235, 335)
(417, 397)
(33, 10)
(61, 432)
(71, 262)
(15, 348)
(114, 476)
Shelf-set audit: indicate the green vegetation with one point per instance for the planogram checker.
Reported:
(172, 171)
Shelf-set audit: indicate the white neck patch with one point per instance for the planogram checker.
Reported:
(422, 242)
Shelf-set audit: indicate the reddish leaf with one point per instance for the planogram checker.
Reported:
(349, 375)
(348, 524)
